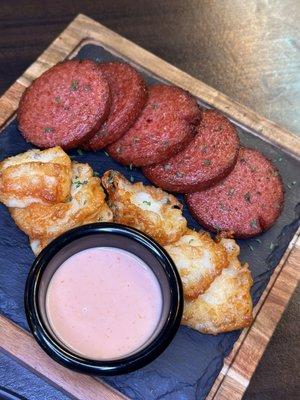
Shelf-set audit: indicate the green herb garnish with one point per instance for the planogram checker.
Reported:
(206, 162)
(250, 247)
(147, 202)
(258, 240)
(78, 183)
(253, 224)
(247, 197)
(74, 86)
(48, 129)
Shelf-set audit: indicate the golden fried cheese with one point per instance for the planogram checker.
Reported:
(147, 208)
(199, 259)
(227, 304)
(35, 177)
(86, 204)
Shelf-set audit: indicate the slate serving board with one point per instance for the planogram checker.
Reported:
(188, 368)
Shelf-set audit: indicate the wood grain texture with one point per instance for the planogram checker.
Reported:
(241, 363)
(21, 345)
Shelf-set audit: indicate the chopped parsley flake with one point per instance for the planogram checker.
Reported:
(74, 86)
(247, 197)
(78, 183)
(147, 202)
(106, 153)
(69, 198)
(253, 224)
(206, 162)
(48, 129)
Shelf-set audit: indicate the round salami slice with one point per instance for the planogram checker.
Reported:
(209, 157)
(65, 105)
(165, 126)
(247, 202)
(129, 95)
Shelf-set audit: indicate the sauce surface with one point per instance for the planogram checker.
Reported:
(103, 303)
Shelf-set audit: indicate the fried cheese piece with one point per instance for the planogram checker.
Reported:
(227, 304)
(146, 208)
(35, 177)
(199, 260)
(42, 223)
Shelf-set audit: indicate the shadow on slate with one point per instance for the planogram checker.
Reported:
(188, 368)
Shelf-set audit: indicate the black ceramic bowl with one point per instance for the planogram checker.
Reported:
(107, 235)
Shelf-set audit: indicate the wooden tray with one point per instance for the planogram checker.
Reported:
(242, 361)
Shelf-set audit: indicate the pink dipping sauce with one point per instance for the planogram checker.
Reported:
(103, 303)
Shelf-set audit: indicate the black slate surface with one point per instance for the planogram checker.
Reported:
(188, 368)
(15, 380)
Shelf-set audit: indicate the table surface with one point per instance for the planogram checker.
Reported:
(249, 50)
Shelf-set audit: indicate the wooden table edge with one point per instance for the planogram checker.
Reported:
(236, 373)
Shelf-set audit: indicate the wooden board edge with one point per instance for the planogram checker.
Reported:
(240, 365)
(83, 28)
(20, 344)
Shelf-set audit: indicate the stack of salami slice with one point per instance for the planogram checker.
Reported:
(180, 147)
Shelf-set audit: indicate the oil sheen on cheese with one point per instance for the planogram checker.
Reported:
(103, 303)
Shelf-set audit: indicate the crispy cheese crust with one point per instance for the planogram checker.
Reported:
(227, 304)
(146, 208)
(199, 260)
(42, 223)
(35, 177)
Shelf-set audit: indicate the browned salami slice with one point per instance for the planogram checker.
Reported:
(208, 158)
(245, 203)
(129, 95)
(65, 105)
(165, 126)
